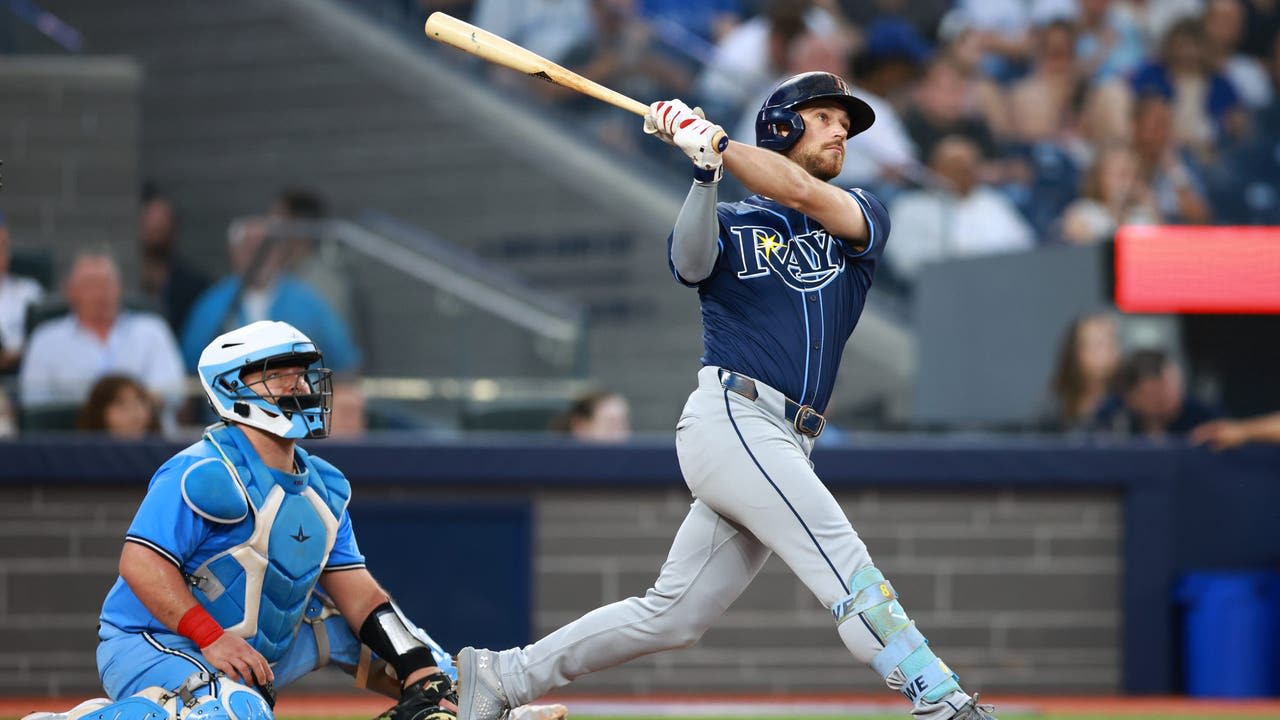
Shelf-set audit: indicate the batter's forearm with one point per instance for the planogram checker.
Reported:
(158, 584)
(693, 241)
(768, 173)
(776, 176)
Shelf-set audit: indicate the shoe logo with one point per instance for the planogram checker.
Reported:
(300, 537)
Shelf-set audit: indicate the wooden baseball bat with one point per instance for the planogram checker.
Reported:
(482, 43)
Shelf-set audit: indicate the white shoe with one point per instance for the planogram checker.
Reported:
(480, 693)
(539, 712)
(80, 710)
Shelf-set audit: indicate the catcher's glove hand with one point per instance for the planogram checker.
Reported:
(421, 700)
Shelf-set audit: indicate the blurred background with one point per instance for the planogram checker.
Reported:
(1083, 275)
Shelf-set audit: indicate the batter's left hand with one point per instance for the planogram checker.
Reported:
(697, 139)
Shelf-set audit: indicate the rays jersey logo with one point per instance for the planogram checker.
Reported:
(804, 262)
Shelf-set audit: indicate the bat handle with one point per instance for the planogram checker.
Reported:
(720, 141)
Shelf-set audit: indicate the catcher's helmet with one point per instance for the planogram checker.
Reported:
(780, 108)
(259, 346)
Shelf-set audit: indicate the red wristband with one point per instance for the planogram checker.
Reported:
(200, 627)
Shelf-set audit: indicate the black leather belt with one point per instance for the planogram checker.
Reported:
(803, 418)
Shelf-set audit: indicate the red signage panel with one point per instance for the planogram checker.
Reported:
(1196, 269)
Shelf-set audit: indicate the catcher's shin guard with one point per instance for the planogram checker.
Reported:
(905, 661)
(233, 702)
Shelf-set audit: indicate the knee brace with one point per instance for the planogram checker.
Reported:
(906, 663)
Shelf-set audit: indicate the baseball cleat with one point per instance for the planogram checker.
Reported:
(480, 695)
(973, 711)
(539, 712)
(80, 710)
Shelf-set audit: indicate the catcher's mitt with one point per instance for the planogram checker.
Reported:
(420, 700)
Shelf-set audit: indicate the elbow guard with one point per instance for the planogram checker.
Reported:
(387, 632)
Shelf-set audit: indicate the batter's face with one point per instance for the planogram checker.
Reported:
(820, 149)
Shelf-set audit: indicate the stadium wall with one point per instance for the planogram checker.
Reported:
(1032, 566)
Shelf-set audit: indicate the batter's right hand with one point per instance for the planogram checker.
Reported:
(237, 658)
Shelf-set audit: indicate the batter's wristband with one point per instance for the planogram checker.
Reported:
(199, 627)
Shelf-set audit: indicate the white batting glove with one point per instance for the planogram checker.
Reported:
(664, 118)
(697, 140)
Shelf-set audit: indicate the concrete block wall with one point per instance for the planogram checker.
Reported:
(1016, 590)
(59, 547)
(69, 133)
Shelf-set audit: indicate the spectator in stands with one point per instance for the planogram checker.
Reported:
(956, 217)
(168, 283)
(981, 97)
(707, 20)
(1224, 30)
(119, 406)
(1043, 105)
(1156, 17)
(1226, 434)
(598, 416)
(549, 28)
(947, 103)
(67, 355)
(1151, 399)
(1005, 30)
(259, 288)
(924, 15)
(1170, 172)
(17, 294)
(302, 213)
(746, 62)
(1087, 359)
(621, 54)
(1108, 41)
(1111, 195)
(1206, 106)
(884, 72)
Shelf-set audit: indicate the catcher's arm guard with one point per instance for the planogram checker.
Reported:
(420, 700)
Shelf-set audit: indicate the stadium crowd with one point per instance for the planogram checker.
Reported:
(1002, 126)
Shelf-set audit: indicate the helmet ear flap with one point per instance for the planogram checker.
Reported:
(770, 125)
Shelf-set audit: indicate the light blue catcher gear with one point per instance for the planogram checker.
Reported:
(260, 595)
(906, 662)
(259, 346)
(223, 700)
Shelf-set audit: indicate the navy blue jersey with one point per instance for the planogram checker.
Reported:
(784, 295)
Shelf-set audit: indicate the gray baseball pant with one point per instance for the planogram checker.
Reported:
(755, 493)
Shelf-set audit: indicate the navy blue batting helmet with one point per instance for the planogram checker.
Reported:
(779, 111)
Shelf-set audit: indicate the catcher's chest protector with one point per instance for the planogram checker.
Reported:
(258, 589)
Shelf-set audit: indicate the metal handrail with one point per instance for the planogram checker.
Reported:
(452, 268)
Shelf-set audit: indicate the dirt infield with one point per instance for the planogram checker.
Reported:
(767, 705)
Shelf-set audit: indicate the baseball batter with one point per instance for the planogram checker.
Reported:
(782, 277)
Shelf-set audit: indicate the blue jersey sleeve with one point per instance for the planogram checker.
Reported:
(346, 552)
(164, 522)
(877, 225)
